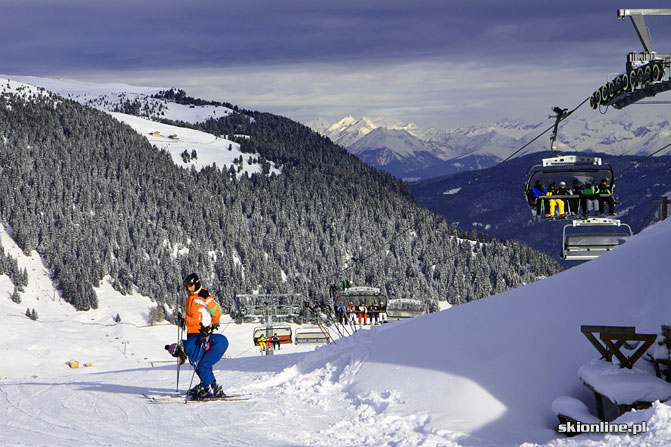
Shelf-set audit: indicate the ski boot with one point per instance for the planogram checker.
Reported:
(204, 392)
(194, 392)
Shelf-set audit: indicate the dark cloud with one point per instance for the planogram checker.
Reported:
(130, 34)
(575, 37)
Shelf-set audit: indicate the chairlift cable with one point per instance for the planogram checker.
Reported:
(644, 159)
(562, 114)
(471, 184)
(646, 218)
(487, 172)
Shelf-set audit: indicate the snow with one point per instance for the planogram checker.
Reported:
(630, 131)
(573, 408)
(105, 96)
(399, 144)
(481, 374)
(209, 148)
(624, 386)
(452, 191)
(485, 374)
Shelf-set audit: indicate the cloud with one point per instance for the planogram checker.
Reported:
(439, 61)
(431, 92)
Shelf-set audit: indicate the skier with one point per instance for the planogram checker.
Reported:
(262, 343)
(276, 342)
(202, 346)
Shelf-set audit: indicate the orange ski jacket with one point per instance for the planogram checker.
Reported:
(201, 309)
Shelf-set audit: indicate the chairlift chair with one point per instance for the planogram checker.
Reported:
(402, 308)
(360, 295)
(566, 168)
(592, 244)
(310, 334)
(283, 332)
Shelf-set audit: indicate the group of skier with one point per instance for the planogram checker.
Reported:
(585, 199)
(350, 314)
(269, 342)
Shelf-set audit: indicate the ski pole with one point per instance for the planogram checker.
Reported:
(179, 340)
(195, 368)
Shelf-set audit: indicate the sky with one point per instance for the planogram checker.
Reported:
(438, 63)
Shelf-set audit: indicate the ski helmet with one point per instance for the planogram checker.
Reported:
(192, 279)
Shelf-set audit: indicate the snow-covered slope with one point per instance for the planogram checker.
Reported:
(481, 374)
(208, 148)
(109, 96)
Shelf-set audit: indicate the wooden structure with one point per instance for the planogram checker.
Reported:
(662, 364)
(606, 379)
(612, 339)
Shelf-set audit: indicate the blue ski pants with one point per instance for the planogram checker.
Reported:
(204, 355)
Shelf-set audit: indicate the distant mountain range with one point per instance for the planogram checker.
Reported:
(412, 154)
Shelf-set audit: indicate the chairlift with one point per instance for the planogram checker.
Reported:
(360, 295)
(582, 246)
(402, 308)
(310, 334)
(283, 332)
(566, 169)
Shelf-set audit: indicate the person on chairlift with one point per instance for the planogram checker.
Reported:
(538, 191)
(574, 203)
(557, 203)
(588, 203)
(603, 188)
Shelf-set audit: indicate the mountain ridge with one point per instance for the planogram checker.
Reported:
(96, 198)
(483, 145)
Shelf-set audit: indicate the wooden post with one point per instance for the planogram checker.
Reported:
(599, 406)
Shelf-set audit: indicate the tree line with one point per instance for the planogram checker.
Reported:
(94, 198)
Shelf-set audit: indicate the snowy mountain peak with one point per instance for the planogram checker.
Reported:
(319, 124)
(349, 129)
(627, 132)
(342, 124)
(398, 142)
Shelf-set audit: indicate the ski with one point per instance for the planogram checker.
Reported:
(180, 398)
